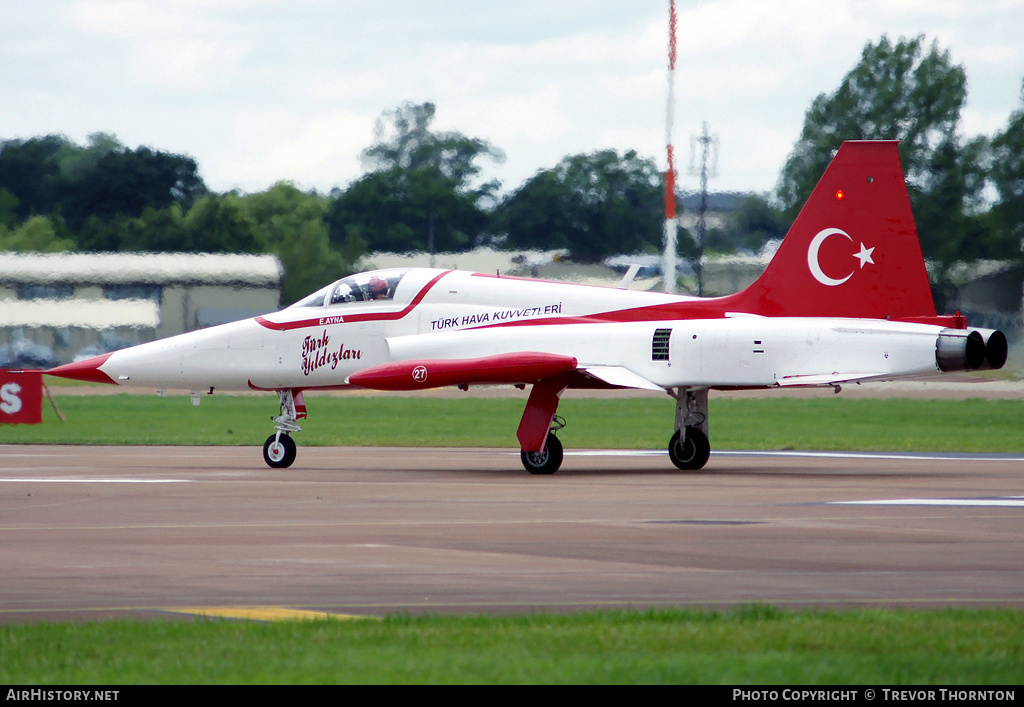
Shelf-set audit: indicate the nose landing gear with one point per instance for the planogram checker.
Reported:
(279, 450)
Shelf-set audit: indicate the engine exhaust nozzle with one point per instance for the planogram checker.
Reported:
(978, 349)
(959, 350)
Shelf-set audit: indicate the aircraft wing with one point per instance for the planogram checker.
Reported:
(620, 377)
(437, 373)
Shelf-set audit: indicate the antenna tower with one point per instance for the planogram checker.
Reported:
(708, 151)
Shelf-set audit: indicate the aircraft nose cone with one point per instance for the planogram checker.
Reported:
(87, 370)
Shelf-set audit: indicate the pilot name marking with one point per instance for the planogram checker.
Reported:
(324, 321)
(503, 315)
(317, 353)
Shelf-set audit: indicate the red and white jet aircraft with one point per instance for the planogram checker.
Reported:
(846, 298)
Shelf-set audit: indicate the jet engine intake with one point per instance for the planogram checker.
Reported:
(962, 350)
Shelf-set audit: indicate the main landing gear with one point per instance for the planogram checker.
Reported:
(279, 449)
(548, 460)
(689, 452)
(689, 447)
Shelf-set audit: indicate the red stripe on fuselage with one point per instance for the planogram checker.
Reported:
(714, 308)
(710, 308)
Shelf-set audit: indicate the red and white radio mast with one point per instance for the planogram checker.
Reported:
(669, 264)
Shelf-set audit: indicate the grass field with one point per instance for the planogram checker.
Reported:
(750, 645)
(835, 423)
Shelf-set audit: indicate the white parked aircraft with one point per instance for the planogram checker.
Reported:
(846, 298)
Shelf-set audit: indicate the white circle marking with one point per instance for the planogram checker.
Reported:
(812, 257)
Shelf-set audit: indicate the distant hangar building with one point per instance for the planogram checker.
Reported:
(73, 304)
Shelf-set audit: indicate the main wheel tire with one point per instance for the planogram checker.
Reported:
(546, 462)
(693, 452)
(279, 453)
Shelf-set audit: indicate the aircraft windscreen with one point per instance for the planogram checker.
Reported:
(378, 285)
(314, 300)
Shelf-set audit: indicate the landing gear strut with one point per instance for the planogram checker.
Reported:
(689, 447)
(279, 449)
(540, 450)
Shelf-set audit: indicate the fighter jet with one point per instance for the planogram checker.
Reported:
(846, 298)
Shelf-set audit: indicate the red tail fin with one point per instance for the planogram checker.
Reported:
(853, 251)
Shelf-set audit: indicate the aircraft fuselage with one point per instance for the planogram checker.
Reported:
(438, 315)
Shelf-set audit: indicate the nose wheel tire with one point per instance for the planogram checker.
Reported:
(279, 453)
(693, 452)
(546, 462)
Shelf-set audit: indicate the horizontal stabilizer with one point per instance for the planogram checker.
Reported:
(628, 277)
(437, 373)
(621, 377)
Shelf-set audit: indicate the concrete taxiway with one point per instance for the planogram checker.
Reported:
(150, 531)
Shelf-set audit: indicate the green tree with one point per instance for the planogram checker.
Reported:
(895, 92)
(36, 235)
(1007, 175)
(423, 192)
(162, 231)
(220, 224)
(404, 140)
(904, 92)
(30, 171)
(103, 197)
(749, 227)
(130, 181)
(949, 208)
(290, 223)
(8, 207)
(77, 162)
(51, 175)
(594, 205)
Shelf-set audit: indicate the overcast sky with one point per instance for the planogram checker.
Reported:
(259, 91)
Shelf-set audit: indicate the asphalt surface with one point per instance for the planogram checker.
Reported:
(91, 532)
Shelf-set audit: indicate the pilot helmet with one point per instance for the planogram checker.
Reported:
(378, 286)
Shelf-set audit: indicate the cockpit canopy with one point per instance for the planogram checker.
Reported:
(376, 285)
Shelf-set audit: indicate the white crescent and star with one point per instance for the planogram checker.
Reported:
(812, 256)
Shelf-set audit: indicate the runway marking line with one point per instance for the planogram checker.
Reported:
(77, 480)
(1004, 502)
(717, 453)
(263, 613)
